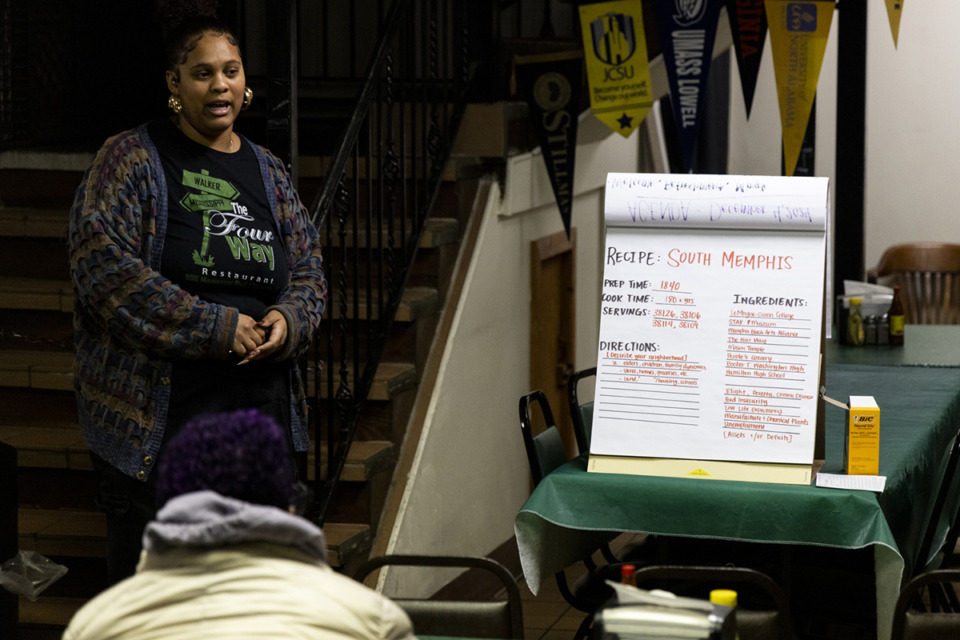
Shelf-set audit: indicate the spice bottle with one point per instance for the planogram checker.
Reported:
(855, 324)
(896, 319)
(870, 330)
(627, 576)
(883, 330)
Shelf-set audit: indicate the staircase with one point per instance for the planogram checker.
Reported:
(57, 515)
(399, 135)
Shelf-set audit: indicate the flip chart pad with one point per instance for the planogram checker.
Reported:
(711, 318)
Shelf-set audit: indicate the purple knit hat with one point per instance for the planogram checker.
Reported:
(243, 455)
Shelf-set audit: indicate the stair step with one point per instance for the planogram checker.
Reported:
(390, 379)
(29, 222)
(36, 369)
(49, 610)
(53, 370)
(63, 532)
(364, 459)
(318, 166)
(41, 180)
(347, 543)
(415, 302)
(437, 232)
(71, 533)
(60, 447)
(63, 447)
(57, 295)
(38, 329)
(36, 294)
(40, 408)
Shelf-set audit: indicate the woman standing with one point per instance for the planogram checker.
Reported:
(197, 279)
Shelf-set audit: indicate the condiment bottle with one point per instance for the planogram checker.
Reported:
(870, 330)
(883, 330)
(896, 319)
(627, 576)
(855, 324)
(728, 598)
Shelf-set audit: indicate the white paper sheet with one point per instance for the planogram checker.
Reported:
(711, 317)
(838, 481)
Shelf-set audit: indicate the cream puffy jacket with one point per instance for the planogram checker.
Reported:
(217, 568)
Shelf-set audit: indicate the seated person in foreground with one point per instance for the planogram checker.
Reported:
(227, 558)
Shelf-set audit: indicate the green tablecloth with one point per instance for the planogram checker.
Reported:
(572, 511)
(924, 345)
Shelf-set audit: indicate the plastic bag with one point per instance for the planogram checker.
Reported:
(28, 573)
(635, 614)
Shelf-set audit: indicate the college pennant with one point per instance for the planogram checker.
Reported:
(550, 84)
(894, 7)
(798, 38)
(687, 30)
(618, 72)
(748, 24)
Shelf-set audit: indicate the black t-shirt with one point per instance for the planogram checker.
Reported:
(221, 244)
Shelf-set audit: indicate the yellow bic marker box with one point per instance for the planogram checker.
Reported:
(861, 444)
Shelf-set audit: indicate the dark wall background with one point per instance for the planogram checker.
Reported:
(74, 73)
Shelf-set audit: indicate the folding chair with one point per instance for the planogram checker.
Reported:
(940, 596)
(763, 611)
(917, 623)
(641, 548)
(545, 452)
(457, 618)
(944, 493)
(581, 414)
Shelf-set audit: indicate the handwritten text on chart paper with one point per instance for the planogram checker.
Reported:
(710, 323)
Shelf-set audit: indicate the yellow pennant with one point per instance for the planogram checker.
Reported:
(798, 38)
(618, 73)
(894, 7)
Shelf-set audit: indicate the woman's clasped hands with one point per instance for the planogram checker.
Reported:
(256, 340)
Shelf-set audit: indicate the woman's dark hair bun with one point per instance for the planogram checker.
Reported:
(174, 13)
(184, 22)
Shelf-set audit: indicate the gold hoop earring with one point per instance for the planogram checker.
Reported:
(247, 98)
(173, 102)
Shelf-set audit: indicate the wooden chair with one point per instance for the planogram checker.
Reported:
(458, 618)
(928, 274)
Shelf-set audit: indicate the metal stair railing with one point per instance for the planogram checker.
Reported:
(372, 207)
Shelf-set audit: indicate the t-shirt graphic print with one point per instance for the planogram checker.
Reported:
(221, 242)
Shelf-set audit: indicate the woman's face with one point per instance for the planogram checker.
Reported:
(210, 86)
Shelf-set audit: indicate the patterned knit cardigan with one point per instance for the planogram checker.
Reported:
(131, 323)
